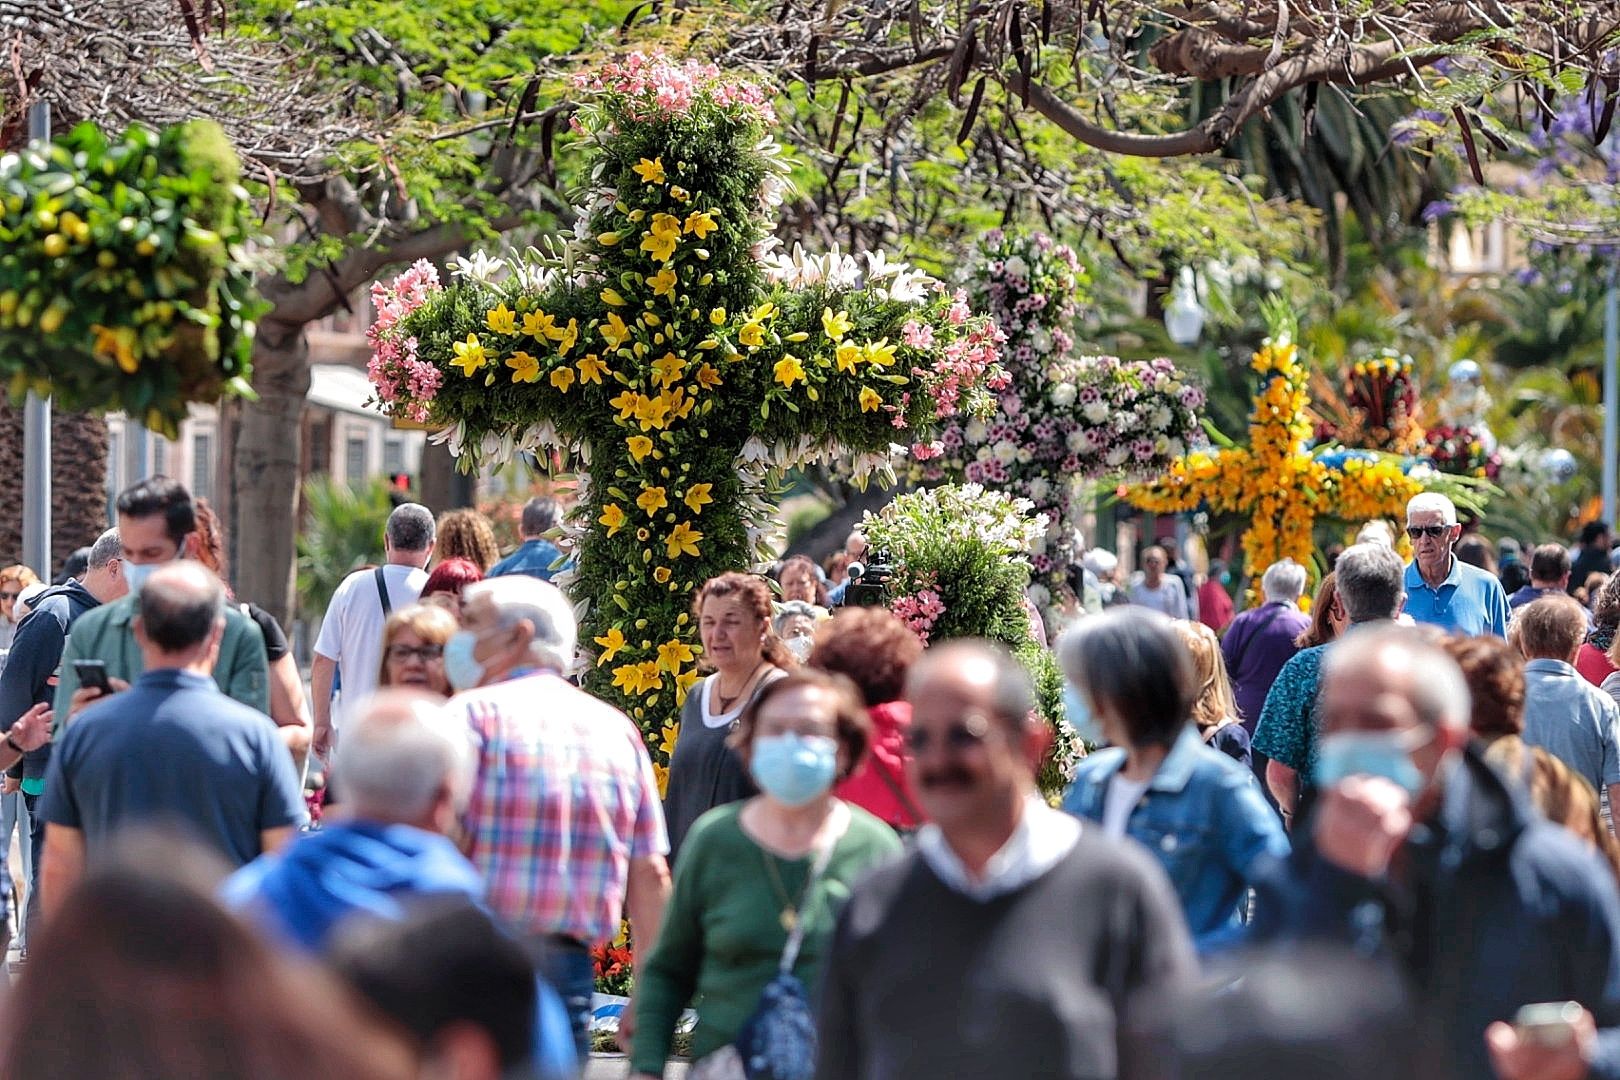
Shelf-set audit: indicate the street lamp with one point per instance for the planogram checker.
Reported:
(1184, 316)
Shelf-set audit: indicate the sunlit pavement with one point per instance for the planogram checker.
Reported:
(616, 1067)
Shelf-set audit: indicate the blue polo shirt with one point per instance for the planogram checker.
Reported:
(1470, 601)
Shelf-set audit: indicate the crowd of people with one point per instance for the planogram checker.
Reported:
(1370, 839)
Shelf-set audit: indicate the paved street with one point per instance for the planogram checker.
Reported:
(613, 1067)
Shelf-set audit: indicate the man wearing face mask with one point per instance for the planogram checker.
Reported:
(564, 820)
(156, 526)
(1368, 591)
(1418, 851)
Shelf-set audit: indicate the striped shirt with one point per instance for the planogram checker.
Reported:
(564, 798)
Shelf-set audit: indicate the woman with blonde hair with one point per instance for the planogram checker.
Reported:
(1215, 711)
(13, 580)
(1562, 795)
(413, 648)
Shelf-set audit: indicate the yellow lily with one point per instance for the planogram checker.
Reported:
(683, 539)
(525, 368)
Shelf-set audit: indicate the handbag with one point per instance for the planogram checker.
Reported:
(778, 1040)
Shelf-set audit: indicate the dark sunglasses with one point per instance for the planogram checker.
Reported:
(424, 653)
(9, 595)
(1416, 531)
(956, 738)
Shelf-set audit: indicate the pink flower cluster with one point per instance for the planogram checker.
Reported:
(920, 611)
(653, 85)
(404, 383)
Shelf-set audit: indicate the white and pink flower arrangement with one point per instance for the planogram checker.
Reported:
(398, 375)
(1064, 418)
(959, 556)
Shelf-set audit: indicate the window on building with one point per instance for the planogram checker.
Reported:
(115, 465)
(202, 465)
(354, 464)
(393, 456)
(160, 456)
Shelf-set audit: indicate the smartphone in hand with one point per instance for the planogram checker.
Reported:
(93, 673)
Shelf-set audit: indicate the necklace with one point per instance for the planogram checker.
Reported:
(726, 703)
(790, 907)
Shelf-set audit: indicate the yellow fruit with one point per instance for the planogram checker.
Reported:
(55, 245)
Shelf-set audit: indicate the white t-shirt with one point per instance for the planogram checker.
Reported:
(352, 631)
(1118, 802)
(1169, 598)
(711, 693)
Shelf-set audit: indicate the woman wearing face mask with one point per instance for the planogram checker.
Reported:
(795, 624)
(733, 613)
(1131, 683)
(755, 873)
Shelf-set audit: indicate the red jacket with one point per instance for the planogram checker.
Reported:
(1592, 664)
(880, 786)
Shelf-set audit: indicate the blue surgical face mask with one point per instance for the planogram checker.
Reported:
(1386, 754)
(137, 573)
(1077, 707)
(461, 667)
(794, 769)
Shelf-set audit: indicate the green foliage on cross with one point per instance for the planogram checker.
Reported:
(685, 364)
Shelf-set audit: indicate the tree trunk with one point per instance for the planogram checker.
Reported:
(78, 484)
(264, 486)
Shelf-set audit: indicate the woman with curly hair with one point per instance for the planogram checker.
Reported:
(1594, 661)
(467, 534)
(876, 650)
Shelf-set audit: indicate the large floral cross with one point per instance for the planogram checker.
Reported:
(680, 360)
(1277, 482)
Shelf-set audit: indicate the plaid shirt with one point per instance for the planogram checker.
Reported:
(565, 798)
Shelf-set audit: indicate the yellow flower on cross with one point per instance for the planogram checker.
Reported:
(651, 500)
(612, 298)
(700, 223)
(708, 376)
(789, 370)
(502, 320)
(667, 370)
(562, 378)
(651, 172)
(567, 337)
(470, 355)
(697, 497)
(611, 643)
(667, 737)
(525, 368)
(663, 282)
(849, 356)
(752, 334)
(626, 402)
(538, 325)
(880, 353)
(591, 369)
(675, 654)
(683, 539)
(662, 574)
(639, 446)
(871, 400)
(837, 324)
(612, 517)
(614, 332)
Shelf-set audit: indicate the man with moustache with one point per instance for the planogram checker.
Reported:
(1014, 940)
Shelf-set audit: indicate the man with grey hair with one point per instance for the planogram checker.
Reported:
(1261, 640)
(1420, 852)
(172, 750)
(29, 680)
(564, 821)
(352, 631)
(537, 554)
(1441, 589)
(406, 770)
(1002, 900)
(1369, 590)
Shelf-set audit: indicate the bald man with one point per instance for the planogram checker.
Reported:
(1419, 850)
(1003, 900)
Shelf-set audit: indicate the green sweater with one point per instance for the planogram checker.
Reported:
(723, 937)
(104, 633)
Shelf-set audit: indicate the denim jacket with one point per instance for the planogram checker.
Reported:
(1204, 818)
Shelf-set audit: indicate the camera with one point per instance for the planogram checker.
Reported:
(867, 582)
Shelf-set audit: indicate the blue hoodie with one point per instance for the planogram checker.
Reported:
(302, 892)
(311, 885)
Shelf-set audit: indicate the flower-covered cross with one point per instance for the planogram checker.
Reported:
(1281, 485)
(682, 361)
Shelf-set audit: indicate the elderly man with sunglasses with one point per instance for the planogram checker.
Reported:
(1014, 941)
(1441, 589)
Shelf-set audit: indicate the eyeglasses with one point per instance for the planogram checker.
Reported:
(425, 653)
(956, 738)
(1417, 531)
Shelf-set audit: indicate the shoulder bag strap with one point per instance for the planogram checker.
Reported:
(382, 591)
(892, 782)
(790, 952)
